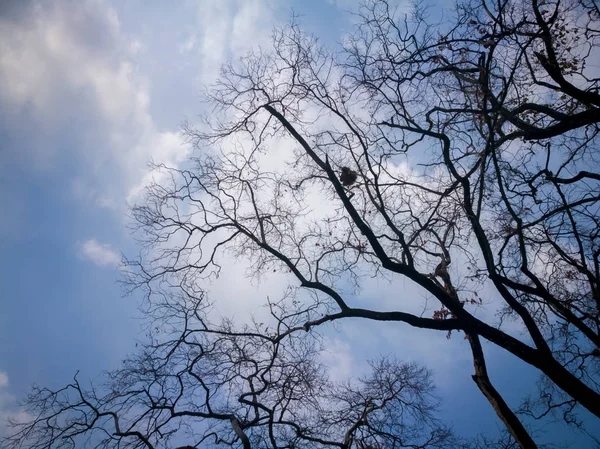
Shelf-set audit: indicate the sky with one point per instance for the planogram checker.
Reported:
(90, 92)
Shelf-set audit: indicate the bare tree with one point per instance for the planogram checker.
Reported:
(472, 145)
(200, 385)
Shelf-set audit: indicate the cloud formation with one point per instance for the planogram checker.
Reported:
(100, 254)
(9, 411)
(68, 70)
(230, 29)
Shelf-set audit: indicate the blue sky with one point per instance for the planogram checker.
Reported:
(90, 91)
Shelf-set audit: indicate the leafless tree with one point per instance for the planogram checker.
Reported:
(201, 385)
(474, 140)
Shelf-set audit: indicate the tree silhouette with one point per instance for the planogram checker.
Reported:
(474, 142)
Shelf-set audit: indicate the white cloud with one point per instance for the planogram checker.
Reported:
(231, 28)
(71, 71)
(338, 357)
(68, 70)
(135, 47)
(51, 49)
(8, 407)
(100, 254)
(187, 45)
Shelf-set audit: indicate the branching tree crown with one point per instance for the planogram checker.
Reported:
(474, 142)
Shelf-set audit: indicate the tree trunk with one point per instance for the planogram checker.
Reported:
(510, 420)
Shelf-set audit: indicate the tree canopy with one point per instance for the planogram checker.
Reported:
(459, 152)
